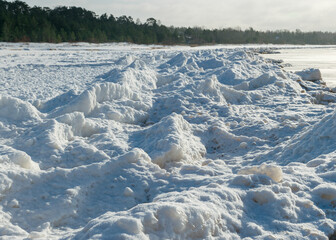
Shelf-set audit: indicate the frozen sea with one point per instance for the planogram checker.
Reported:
(321, 57)
(122, 141)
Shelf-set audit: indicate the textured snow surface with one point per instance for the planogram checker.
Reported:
(119, 141)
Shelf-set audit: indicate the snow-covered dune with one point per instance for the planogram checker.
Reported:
(121, 141)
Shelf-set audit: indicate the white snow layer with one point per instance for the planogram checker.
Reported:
(136, 142)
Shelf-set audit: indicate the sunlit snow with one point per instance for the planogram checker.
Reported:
(119, 141)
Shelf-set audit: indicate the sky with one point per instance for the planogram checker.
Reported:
(306, 15)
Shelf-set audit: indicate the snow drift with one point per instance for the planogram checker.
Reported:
(131, 142)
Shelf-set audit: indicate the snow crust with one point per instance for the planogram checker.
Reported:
(119, 141)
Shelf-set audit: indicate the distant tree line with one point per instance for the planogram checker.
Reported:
(21, 23)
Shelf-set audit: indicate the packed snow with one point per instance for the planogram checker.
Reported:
(120, 141)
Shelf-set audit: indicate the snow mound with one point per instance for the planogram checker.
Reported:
(134, 155)
(63, 138)
(179, 60)
(56, 135)
(221, 93)
(126, 60)
(171, 140)
(13, 109)
(314, 141)
(165, 79)
(10, 230)
(268, 84)
(325, 193)
(10, 155)
(80, 126)
(263, 196)
(211, 63)
(81, 154)
(261, 81)
(58, 101)
(196, 218)
(274, 172)
(310, 74)
(236, 70)
(5, 183)
(277, 200)
(323, 97)
(89, 99)
(126, 99)
(221, 139)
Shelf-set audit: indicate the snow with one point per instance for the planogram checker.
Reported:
(310, 74)
(171, 140)
(10, 155)
(121, 141)
(13, 109)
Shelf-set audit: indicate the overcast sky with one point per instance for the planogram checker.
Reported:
(306, 15)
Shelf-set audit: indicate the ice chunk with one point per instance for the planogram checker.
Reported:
(263, 196)
(243, 145)
(128, 192)
(274, 172)
(14, 203)
(310, 74)
(326, 192)
(134, 156)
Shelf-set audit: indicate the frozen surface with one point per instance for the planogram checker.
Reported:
(321, 57)
(119, 141)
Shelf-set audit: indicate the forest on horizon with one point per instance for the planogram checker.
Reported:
(22, 23)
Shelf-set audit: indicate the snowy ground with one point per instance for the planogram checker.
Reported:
(145, 142)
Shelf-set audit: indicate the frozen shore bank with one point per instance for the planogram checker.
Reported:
(135, 142)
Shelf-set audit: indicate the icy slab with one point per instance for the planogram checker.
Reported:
(310, 74)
